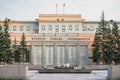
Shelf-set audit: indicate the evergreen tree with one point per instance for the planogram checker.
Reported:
(107, 46)
(22, 51)
(14, 51)
(100, 45)
(98, 42)
(116, 43)
(97, 46)
(7, 43)
(1, 45)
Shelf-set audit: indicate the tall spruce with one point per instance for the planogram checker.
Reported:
(99, 42)
(107, 57)
(23, 52)
(1, 45)
(14, 51)
(7, 43)
(97, 45)
(116, 43)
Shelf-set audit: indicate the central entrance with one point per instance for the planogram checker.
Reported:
(49, 55)
(72, 51)
(60, 54)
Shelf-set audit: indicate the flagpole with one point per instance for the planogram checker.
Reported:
(63, 8)
(56, 8)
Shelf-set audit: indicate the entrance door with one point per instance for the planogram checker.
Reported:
(38, 50)
(83, 54)
(60, 54)
(49, 55)
(72, 51)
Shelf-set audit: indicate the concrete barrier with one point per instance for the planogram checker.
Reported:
(113, 72)
(35, 67)
(96, 67)
(14, 71)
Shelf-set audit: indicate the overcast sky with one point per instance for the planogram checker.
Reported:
(30, 9)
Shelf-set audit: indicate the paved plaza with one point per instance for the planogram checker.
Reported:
(94, 75)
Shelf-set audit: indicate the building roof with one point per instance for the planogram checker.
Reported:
(61, 17)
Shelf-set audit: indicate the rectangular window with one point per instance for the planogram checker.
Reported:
(14, 28)
(57, 27)
(21, 28)
(28, 28)
(36, 28)
(63, 31)
(57, 31)
(77, 27)
(43, 27)
(84, 28)
(70, 27)
(50, 27)
(91, 28)
(63, 27)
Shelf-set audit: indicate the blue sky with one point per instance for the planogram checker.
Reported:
(30, 9)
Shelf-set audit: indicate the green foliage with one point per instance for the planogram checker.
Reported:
(5, 43)
(98, 41)
(116, 43)
(14, 51)
(21, 52)
(1, 44)
(9, 53)
(106, 46)
(107, 57)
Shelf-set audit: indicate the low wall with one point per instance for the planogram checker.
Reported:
(96, 67)
(113, 70)
(14, 71)
(35, 67)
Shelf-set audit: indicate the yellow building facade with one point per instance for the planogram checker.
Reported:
(56, 39)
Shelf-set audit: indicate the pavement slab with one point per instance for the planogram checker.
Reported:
(94, 75)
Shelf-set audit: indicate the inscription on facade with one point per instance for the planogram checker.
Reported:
(58, 39)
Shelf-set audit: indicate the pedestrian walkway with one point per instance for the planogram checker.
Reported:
(94, 75)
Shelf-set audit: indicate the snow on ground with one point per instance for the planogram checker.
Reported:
(94, 75)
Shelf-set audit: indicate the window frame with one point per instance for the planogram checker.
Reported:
(14, 28)
(21, 28)
(70, 27)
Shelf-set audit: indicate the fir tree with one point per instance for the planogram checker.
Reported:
(23, 52)
(14, 51)
(98, 42)
(116, 43)
(99, 49)
(1, 45)
(107, 46)
(7, 43)
(97, 46)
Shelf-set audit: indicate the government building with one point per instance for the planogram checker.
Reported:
(56, 39)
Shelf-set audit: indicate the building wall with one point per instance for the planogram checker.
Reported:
(56, 39)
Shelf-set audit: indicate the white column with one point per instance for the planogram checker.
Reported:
(55, 54)
(43, 55)
(32, 54)
(78, 54)
(66, 52)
